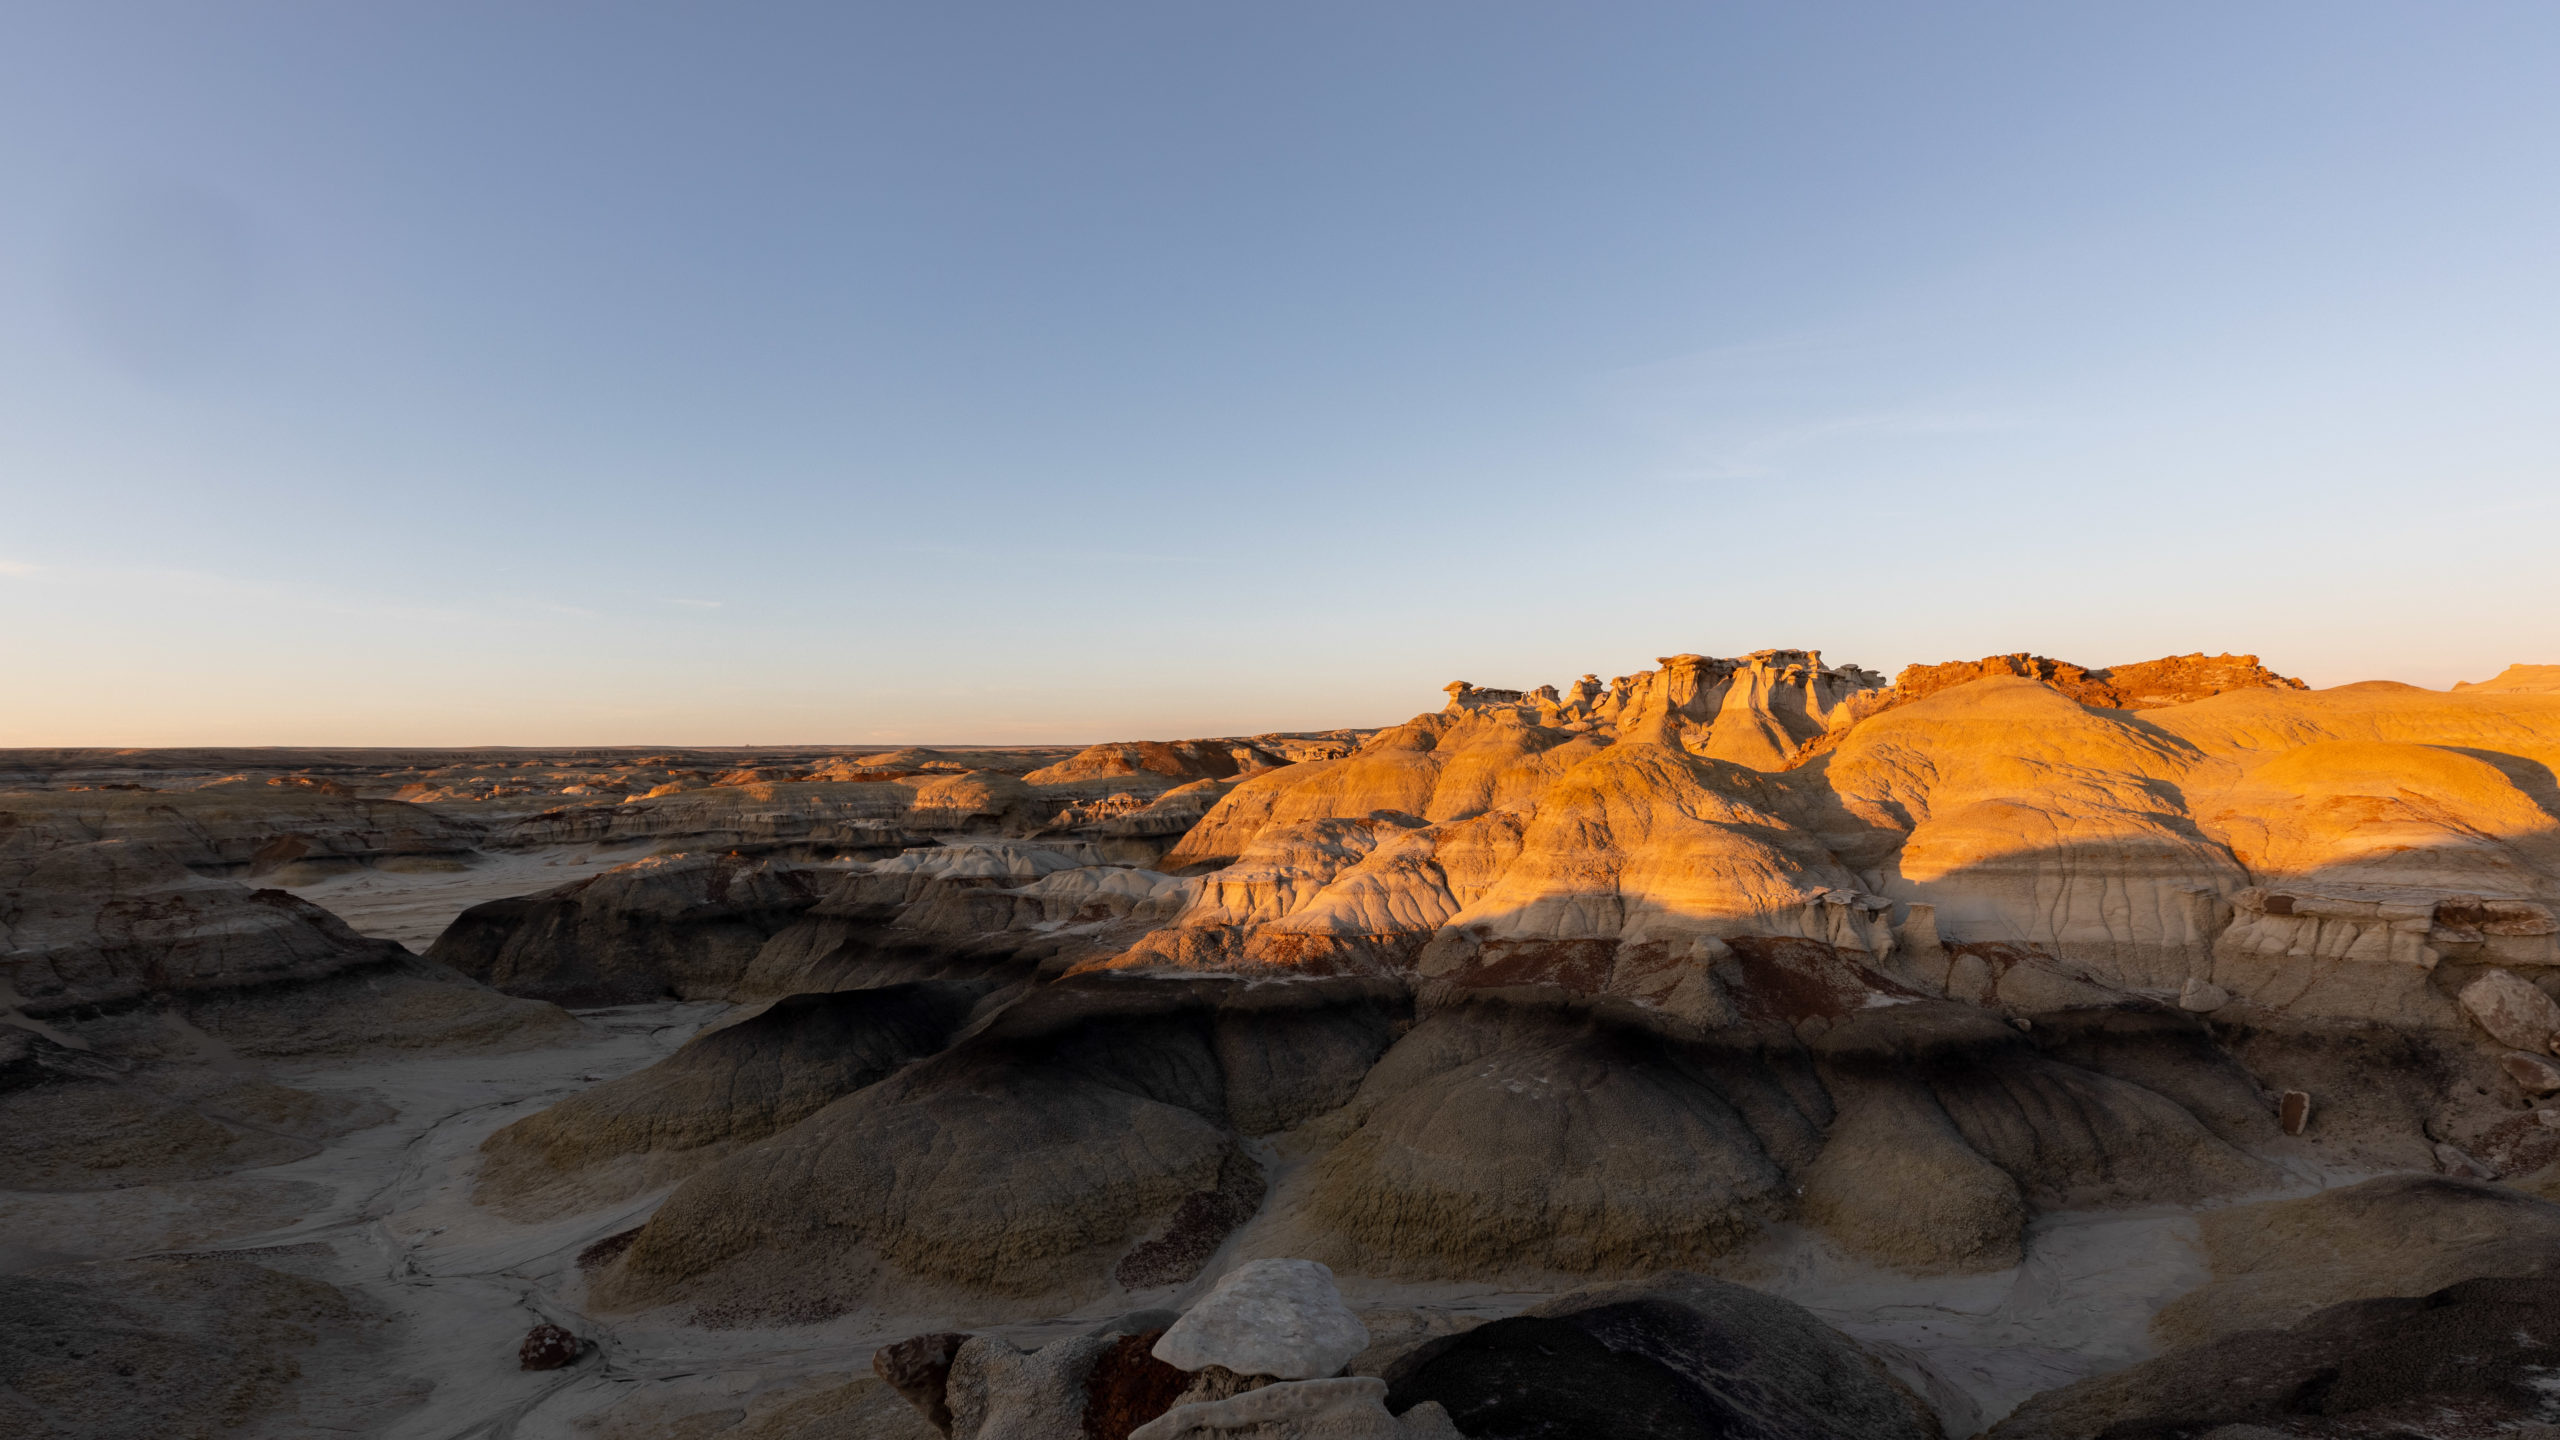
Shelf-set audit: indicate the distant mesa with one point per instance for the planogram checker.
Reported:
(2517, 680)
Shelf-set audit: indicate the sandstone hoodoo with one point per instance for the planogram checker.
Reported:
(1741, 1046)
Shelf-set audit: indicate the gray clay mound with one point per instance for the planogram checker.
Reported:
(728, 1086)
(683, 926)
(1091, 1119)
(2472, 1359)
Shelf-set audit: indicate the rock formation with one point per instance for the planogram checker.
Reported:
(1262, 1047)
(1673, 1355)
(686, 926)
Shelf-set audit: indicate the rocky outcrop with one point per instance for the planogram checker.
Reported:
(2147, 685)
(1114, 1383)
(1757, 710)
(687, 926)
(2313, 854)
(965, 909)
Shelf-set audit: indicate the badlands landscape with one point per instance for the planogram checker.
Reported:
(1750, 1047)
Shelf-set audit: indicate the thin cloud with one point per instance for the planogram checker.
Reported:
(1759, 456)
(18, 567)
(694, 604)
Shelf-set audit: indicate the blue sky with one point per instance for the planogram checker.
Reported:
(505, 373)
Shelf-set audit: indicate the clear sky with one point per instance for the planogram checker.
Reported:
(410, 373)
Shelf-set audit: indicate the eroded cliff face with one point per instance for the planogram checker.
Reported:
(1601, 841)
(1757, 710)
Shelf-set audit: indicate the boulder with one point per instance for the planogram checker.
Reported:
(919, 1369)
(998, 1392)
(1269, 1317)
(2534, 1074)
(548, 1347)
(1674, 1357)
(2514, 1012)
(2202, 996)
(1350, 1408)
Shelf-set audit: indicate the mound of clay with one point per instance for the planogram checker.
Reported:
(133, 991)
(1952, 1124)
(113, 922)
(1668, 1358)
(102, 1116)
(188, 1347)
(1491, 1140)
(965, 909)
(1179, 760)
(104, 927)
(2277, 1262)
(1025, 1161)
(233, 831)
(726, 1087)
(681, 925)
(2470, 1359)
(1498, 1138)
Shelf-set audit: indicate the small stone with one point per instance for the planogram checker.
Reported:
(2550, 1119)
(2513, 1011)
(1270, 1317)
(2202, 996)
(2534, 1074)
(919, 1369)
(2293, 1112)
(548, 1347)
(2453, 1160)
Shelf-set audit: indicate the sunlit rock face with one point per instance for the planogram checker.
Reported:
(2121, 822)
